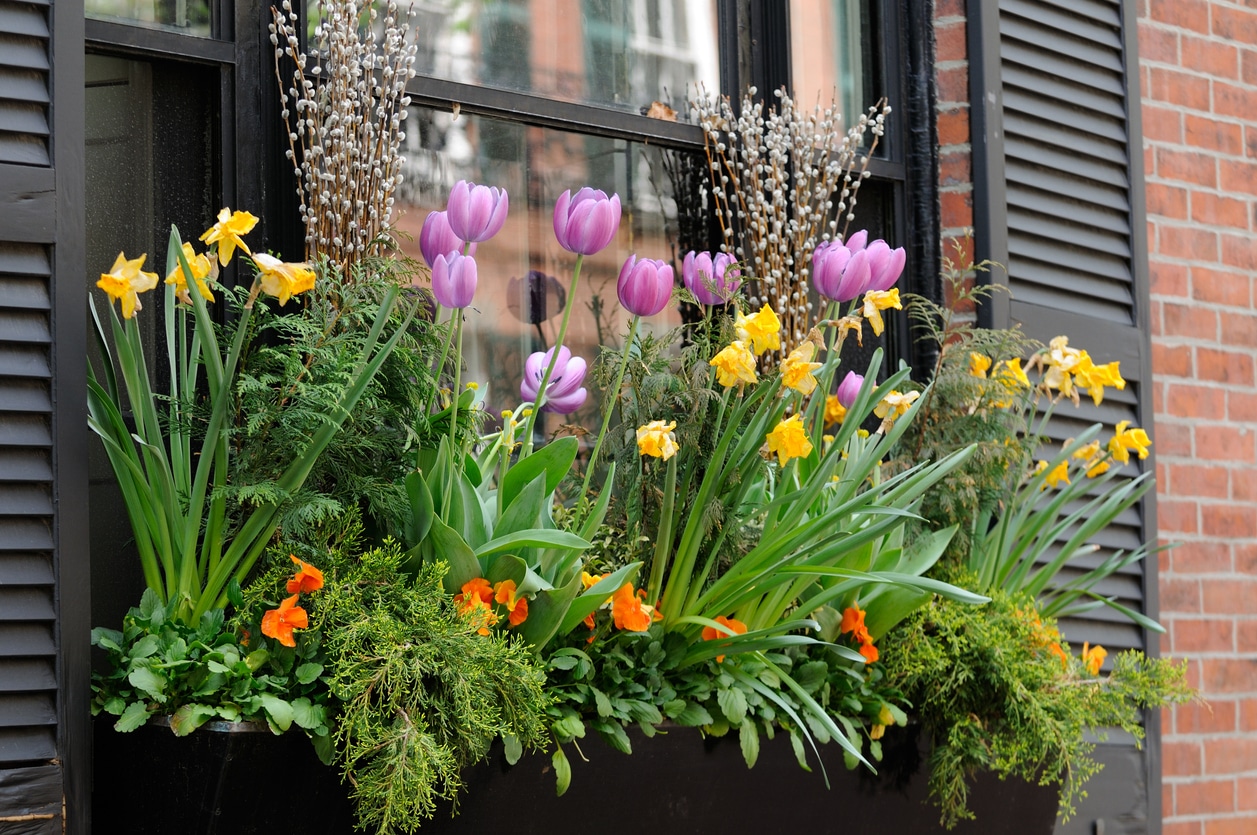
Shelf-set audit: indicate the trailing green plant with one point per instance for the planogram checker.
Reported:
(1000, 691)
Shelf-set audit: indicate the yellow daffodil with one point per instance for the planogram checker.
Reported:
(979, 364)
(875, 301)
(734, 364)
(227, 231)
(1095, 463)
(1093, 657)
(1094, 377)
(789, 440)
(851, 323)
(835, 412)
(796, 370)
(656, 439)
(281, 279)
(762, 331)
(1054, 478)
(1125, 440)
(125, 281)
(895, 404)
(1060, 363)
(200, 266)
(1011, 374)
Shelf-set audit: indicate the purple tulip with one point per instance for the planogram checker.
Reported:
(644, 286)
(857, 241)
(838, 273)
(885, 265)
(586, 223)
(437, 238)
(454, 280)
(564, 393)
(476, 213)
(712, 280)
(849, 388)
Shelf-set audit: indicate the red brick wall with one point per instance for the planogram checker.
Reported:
(955, 153)
(1198, 70)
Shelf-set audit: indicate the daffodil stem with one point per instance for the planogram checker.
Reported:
(608, 406)
(663, 539)
(554, 357)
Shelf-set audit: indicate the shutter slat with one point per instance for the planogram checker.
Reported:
(26, 603)
(23, 534)
(23, 430)
(1099, 21)
(1064, 89)
(27, 709)
(24, 293)
(1102, 220)
(23, 19)
(24, 361)
(26, 569)
(23, 150)
(26, 674)
(23, 259)
(25, 500)
(28, 52)
(1085, 191)
(1090, 45)
(22, 639)
(23, 118)
(24, 326)
(1065, 137)
(25, 396)
(25, 465)
(27, 744)
(1052, 111)
(1047, 157)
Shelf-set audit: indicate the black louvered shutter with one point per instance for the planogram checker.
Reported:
(34, 741)
(1059, 201)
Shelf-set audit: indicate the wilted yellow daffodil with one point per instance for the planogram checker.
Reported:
(851, 323)
(789, 440)
(656, 439)
(762, 331)
(875, 301)
(200, 266)
(125, 281)
(281, 279)
(835, 412)
(895, 404)
(227, 231)
(1060, 363)
(734, 364)
(1125, 440)
(796, 370)
(979, 364)
(1094, 377)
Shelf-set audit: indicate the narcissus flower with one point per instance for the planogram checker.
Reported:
(875, 301)
(656, 439)
(895, 404)
(979, 364)
(279, 623)
(713, 279)
(227, 233)
(1124, 441)
(1058, 474)
(1060, 362)
(307, 579)
(733, 627)
(586, 222)
(125, 281)
(835, 412)
(734, 364)
(796, 370)
(1095, 463)
(281, 279)
(200, 266)
(1093, 657)
(1094, 378)
(789, 440)
(476, 213)
(762, 332)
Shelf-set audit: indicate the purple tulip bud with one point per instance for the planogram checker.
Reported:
(454, 280)
(838, 273)
(885, 265)
(857, 241)
(476, 213)
(586, 223)
(712, 280)
(849, 388)
(437, 238)
(644, 286)
(564, 393)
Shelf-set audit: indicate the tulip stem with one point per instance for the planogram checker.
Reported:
(554, 357)
(608, 405)
(456, 452)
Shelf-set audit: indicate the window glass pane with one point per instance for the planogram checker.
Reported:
(524, 274)
(830, 57)
(189, 17)
(623, 54)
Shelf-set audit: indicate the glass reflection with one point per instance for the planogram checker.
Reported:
(524, 274)
(623, 54)
(829, 58)
(189, 17)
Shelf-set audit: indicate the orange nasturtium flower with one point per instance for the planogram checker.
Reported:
(517, 607)
(628, 612)
(761, 331)
(1059, 651)
(125, 281)
(227, 231)
(1093, 657)
(307, 579)
(789, 440)
(736, 627)
(200, 266)
(875, 301)
(475, 601)
(734, 364)
(279, 623)
(853, 622)
(281, 279)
